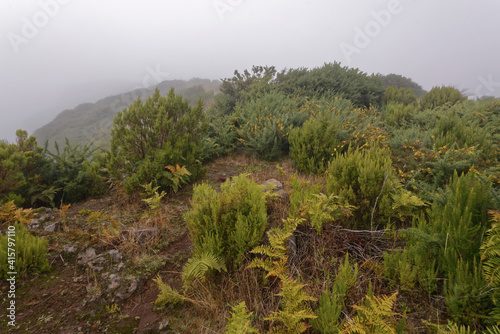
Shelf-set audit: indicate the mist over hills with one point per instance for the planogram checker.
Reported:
(92, 122)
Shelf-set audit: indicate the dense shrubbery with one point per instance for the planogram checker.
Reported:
(30, 253)
(229, 223)
(147, 137)
(363, 178)
(265, 123)
(439, 96)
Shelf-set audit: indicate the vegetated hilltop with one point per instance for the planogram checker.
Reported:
(307, 200)
(92, 122)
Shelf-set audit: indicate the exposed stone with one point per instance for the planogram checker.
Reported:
(115, 282)
(46, 217)
(121, 266)
(53, 227)
(35, 223)
(282, 193)
(128, 289)
(69, 249)
(277, 184)
(115, 255)
(141, 234)
(86, 256)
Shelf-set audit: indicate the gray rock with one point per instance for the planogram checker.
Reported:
(115, 282)
(282, 193)
(69, 249)
(120, 266)
(277, 184)
(141, 234)
(115, 255)
(46, 217)
(35, 223)
(86, 256)
(128, 288)
(53, 227)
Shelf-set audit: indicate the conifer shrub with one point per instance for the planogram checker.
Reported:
(404, 96)
(265, 123)
(398, 114)
(314, 144)
(439, 96)
(30, 253)
(364, 179)
(447, 243)
(147, 137)
(229, 223)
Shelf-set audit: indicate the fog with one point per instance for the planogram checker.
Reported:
(56, 54)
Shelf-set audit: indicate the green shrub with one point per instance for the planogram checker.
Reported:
(448, 242)
(74, 173)
(229, 223)
(265, 123)
(398, 114)
(404, 96)
(363, 178)
(149, 136)
(30, 252)
(490, 255)
(314, 144)
(439, 96)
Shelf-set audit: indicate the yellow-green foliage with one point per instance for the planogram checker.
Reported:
(314, 144)
(229, 223)
(404, 96)
(293, 308)
(439, 96)
(29, 251)
(200, 264)
(265, 123)
(323, 209)
(490, 255)
(331, 302)
(167, 294)
(398, 114)
(375, 316)
(364, 179)
(239, 322)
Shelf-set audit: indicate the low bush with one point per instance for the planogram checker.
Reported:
(229, 223)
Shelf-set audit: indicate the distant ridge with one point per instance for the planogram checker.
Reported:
(92, 122)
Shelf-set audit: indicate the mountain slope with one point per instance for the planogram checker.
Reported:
(92, 122)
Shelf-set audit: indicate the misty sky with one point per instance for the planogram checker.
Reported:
(56, 54)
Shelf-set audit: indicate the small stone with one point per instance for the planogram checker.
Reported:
(115, 255)
(86, 256)
(282, 193)
(53, 227)
(115, 282)
(69, 249)
(121, 266)
(277, 184)
(35, 223)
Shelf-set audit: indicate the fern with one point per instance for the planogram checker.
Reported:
(239, 322)
(332, 302)
(293, 309)
(375, 316)
(177, 175)
(167, 294)
(490, 255)
(201, 264)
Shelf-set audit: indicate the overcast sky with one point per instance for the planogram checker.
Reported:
(55, 54)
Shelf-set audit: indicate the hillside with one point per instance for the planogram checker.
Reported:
(92, 122)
